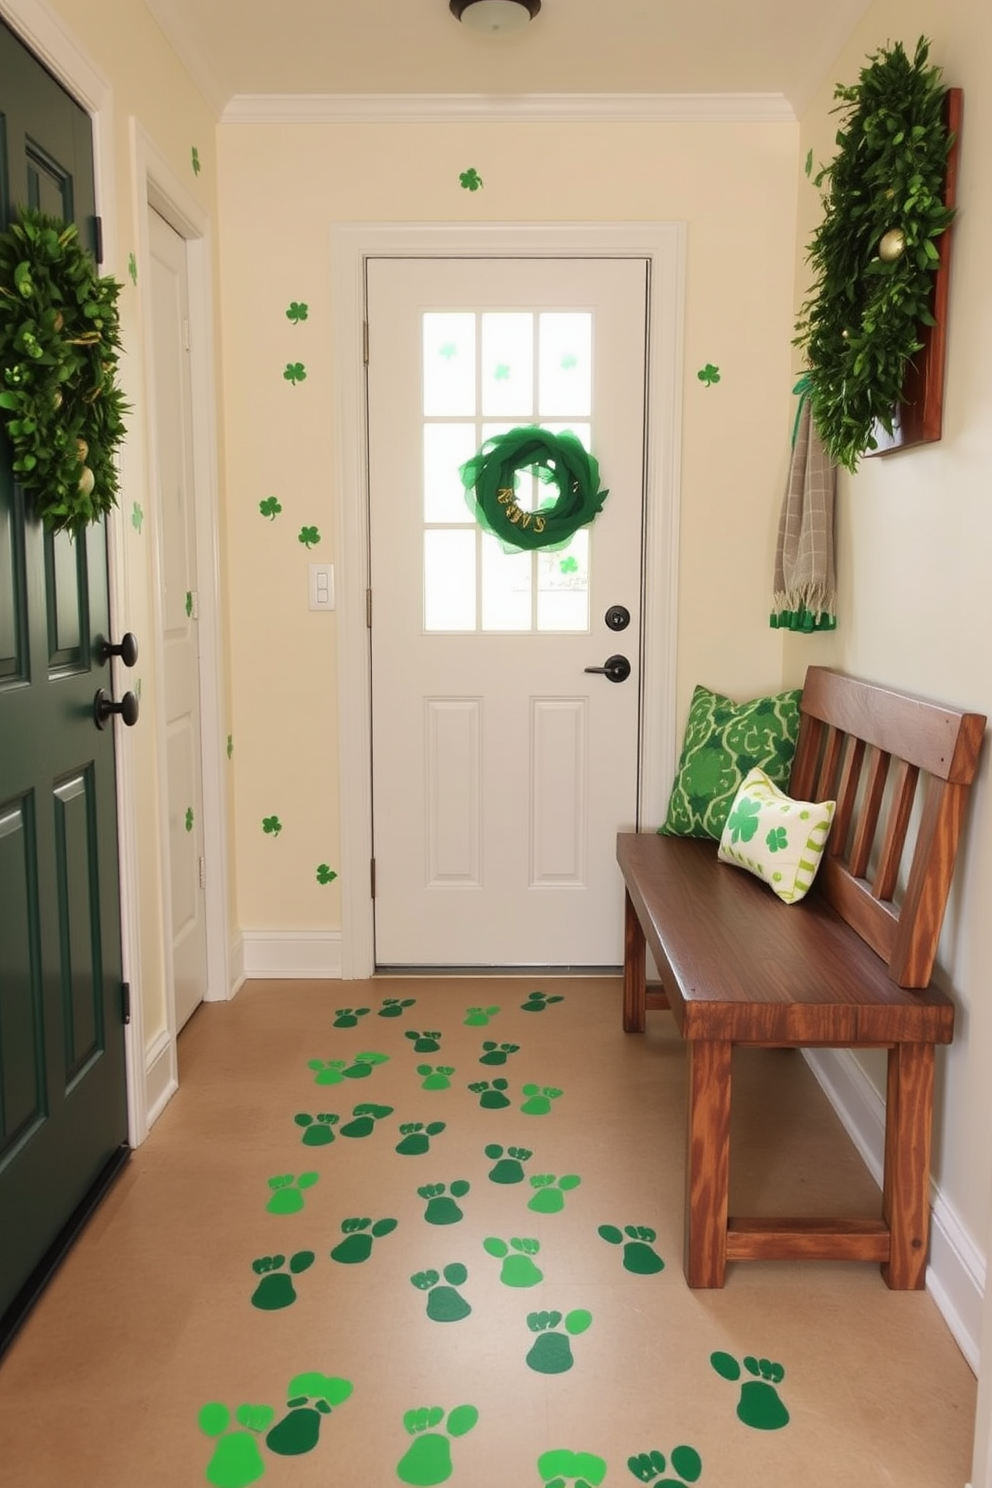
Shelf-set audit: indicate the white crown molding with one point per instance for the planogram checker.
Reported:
(509, 108)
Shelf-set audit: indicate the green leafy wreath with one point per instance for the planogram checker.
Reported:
(874, 253)
(491, 480)
(59, 344)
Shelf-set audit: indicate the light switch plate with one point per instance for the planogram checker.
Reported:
(321, 586)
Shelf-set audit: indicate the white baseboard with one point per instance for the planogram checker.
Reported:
(290, 954)
(956, 1270)
(161, 1075)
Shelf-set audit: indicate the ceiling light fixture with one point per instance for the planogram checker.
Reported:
(494, 16)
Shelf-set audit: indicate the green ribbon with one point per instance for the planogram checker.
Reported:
(803, 388)
(491, 478)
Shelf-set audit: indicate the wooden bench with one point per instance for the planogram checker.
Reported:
(848, 967)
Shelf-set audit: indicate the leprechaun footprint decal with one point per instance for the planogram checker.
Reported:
(445, 1303)
(428, 1458)
(759, 1406)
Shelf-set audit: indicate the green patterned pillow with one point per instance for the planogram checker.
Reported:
(776, 838)
(724, 740)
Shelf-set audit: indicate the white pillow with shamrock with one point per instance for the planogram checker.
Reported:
(774, 837)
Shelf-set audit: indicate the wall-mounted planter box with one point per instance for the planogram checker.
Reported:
(919, 418)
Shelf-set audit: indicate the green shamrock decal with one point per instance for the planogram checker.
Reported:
(137, 517)
(502, 372)
(777, 839)
(743, 822)
(448, 350)
(132, 268)
(308, 536)
(195, 160)
(709, 374)
(270, 507)
(271, 825)
(230, 745)
(189, 818)
(298, 310)
(325, 875)
(569, 565)
(568, 361)
(295, 372)
(470, 179)
(808, 167)
(189, 604)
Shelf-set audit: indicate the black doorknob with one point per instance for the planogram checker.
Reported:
(104, 709)
(127, 650)
(615, 668)
(617, 617)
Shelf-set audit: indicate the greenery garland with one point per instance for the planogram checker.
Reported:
(59, 340)
(490, 479)
(874, 253)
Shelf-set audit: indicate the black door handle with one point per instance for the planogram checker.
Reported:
(615, 668)
(127, 650)
(104, 709)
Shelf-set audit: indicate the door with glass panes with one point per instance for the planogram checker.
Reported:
(502, 766)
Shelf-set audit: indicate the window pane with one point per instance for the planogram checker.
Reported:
(563, 586)
(506, 581)
(449, 363)
(449, 579)
(508, 365)
(446, 448)
(565, 365)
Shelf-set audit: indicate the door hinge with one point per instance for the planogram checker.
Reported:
(126, 1001)
(372, 876)
(365, 342)
(368, 609)
(98, 239)
(202, 863)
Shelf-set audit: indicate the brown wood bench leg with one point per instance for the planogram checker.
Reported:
(906, 1185)
(634, 975)
(707, 1163)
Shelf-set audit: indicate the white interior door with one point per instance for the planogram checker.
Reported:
(502, 769)
(177, 546)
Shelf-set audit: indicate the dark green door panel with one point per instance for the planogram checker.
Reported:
(63, 1099)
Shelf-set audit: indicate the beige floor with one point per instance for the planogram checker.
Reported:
(150, 1318)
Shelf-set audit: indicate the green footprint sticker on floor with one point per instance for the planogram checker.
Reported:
(318, 1131)
(759, 1405)
(275, 1289)
(328, 1071)
(549, 1191)
(492, 1094)
(560, 1466)
(538, 1001)
(394, 1007)
(436, 1079)
(647, 1467)
(478, 1017)
(493, 1053)
(365, 1115)
(348, 1017)
(416, 1137)
(442, 1206)
(359, 1234)
(310, 1398)
(428, 1042)
(364, 1064)
(288, 1192)
(445, 1304)
(639, 1254)
(509, 1163)
(539, 1098)
(236, 1459)
(518, 1268)
(551, 1351)
(428, 1458)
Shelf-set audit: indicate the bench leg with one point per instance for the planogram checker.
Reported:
(906, 1185)
(634, 976)
(707, 1163)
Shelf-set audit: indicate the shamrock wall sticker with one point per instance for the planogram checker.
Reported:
(709, 374)
(470, 179)
(308, 536)
(195, 161)
(325, 874)
(132, 268)
(137, 517)
(270, 507)
(271, 825)
(298, 310)
(295, 372)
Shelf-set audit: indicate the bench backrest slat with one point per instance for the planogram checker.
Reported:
(871, 749)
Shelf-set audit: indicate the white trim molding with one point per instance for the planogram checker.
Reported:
(956, 1271)
(508, 108)
(291, 955)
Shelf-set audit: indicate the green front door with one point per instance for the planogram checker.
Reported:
(63, 1099)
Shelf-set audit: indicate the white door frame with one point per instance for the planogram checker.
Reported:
(663, 246)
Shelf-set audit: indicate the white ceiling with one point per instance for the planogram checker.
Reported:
(781, 48)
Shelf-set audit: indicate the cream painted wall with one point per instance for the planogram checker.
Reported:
(915, 543)
(146, 87)
(281, 189)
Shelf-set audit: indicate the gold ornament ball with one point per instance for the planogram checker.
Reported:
(892, 245)
(87, 481)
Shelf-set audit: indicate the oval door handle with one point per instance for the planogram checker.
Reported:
(127, 650)
(104, 709)
(615, 668)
